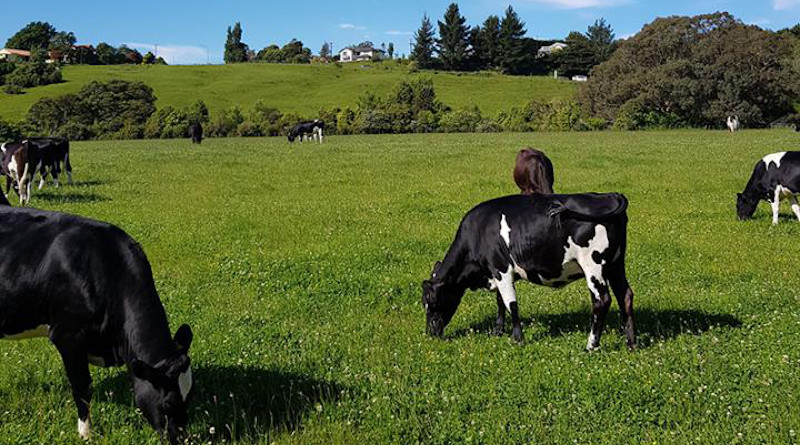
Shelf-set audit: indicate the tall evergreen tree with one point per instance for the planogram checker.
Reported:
(512, 31)
(424, 44)
(390, 50)
(325, 51)
(601, 38)
(235, 50)
(489, 42)
(453, 43)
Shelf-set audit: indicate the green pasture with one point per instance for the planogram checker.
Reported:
(299, 269)
(302, 89)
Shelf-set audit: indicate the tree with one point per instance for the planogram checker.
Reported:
(149, 58)
(577, 58)
(33, 35)
(390, 50)
(129, 55)
(453, 43)
(325, 51)
(512, 31)
(271, 54)
(62, 41)
(695, 71)
(423, 49)
(601, 38)
(107, 54)
(487, 43)
(235, 50)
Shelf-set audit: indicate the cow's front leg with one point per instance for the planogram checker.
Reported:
(76, 366)
(500, 324)
(505, 287)
(795, 206)
(776, 206)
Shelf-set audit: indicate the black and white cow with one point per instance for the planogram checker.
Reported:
(776, 176)
(51, 153)
(733, 123)
(17, 165)
(196, 133)
(308, 129)
(551, 240)
(88, 287)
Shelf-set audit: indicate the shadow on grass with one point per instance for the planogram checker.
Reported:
(239, 403)
(68, 197)
(650, 324)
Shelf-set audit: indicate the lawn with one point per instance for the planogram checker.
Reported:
(300, 89)
(299, 269)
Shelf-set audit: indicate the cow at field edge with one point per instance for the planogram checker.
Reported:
(309, 129)
(551, 240)
(51, 153)
(88, 287)
(196, 133)
(533, 172)
(733, 123)
(17, 166)
(776, 176)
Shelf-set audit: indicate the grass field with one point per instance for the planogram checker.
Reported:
(295, 88)
(299, 270)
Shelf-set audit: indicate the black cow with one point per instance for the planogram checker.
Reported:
(88, 287)
(776, 176)
(551, 240)
(51, 153)
(196, 133)
(309, 129)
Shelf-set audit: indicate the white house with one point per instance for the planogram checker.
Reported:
(550, 49)
(359, 54)
(8, 53)
(579, 78)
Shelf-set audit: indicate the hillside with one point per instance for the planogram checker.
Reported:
(294, 88)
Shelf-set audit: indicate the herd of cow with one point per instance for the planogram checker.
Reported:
(88, 286)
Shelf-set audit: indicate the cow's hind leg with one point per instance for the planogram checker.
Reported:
(601, 301)
(500, 324)
(795, 206)
(505, 287)
(776, 206)
(68, 168)
(74, 356)
(624, 293)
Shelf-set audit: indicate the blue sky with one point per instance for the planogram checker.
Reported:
(185, 31)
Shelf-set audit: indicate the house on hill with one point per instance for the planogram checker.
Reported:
(360, 53)
(14, 54)
(550, 49)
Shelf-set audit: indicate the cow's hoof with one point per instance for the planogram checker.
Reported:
(591, 349)
(516, 334)
(631, 347)
(498, 330)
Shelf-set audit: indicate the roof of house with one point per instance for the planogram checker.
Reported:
(557, 45)
(362, 49)
(15, 52)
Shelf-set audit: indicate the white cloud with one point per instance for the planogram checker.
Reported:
(352, 26)
(785, 5)
(399, 33)
(174, 54)
(581, 4)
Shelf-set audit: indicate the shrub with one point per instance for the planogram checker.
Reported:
(75, 131)
(5, 69)
(464, 120)
(488, 126)
(266, 119)
(330, 116)
(33, 74)
(413, 67)
(226, 123)
(596, 124)
(9, 131)
(13, 89)
(344, 121)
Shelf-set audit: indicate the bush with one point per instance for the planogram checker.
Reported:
(9, 131)
(461, 121)
(75, 131)
(596, 124)
(330, 116)
(226, 123)
(5, 69)
(344, 121)
(33, 74)
(13, 89)
(413, 67)
(266, 119)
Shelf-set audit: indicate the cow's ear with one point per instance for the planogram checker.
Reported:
(183, 338)
(143, 371)
(177, 366)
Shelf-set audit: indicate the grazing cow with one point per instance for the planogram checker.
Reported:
(196, 133)
(309, 129)
(533, 172)
(17, 166)
(88, 287)
(51, 153)
(550, 240)
(775, 177)
(733, 123)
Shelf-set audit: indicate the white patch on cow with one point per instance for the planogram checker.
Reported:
(83, 428)
(505, 231)
(583, 255)
(519, 271)
(185, 383)
(774, 157)
(505, 285)
(40, 331)
(41, 183)
(795, 206)
(590, 344)
(3, 147)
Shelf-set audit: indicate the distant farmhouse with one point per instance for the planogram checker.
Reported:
(550, 49)
(14, 54)
(360, 54)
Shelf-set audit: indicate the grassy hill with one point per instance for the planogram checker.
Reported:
(294, 88)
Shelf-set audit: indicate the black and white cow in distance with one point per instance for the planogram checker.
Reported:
(308, 129)
(17, 165)
(196, 133)
(52, 152)
(88, 287)
(776, 176)
(551, 240)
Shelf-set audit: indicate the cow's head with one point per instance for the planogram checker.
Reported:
(745, 206)
(439, 304)
(161, 390)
